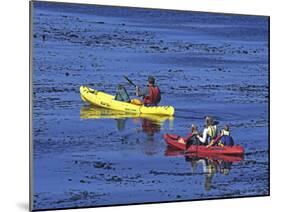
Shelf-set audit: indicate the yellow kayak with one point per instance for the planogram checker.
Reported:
(105, 100)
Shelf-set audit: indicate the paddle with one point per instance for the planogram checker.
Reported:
(214, 141)
(134, 101)
(130, 81)
(187, 145)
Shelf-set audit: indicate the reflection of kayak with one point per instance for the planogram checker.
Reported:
(105, 100)
(222, 157)
(103, 113)
(171, 140)
(226, 158)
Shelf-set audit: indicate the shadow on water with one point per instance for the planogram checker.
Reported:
(209, 165)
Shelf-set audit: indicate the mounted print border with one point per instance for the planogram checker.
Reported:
(137, 105)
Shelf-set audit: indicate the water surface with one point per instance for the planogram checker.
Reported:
(205, 64)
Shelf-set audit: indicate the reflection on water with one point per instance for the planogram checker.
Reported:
(210, 165)
(121, 124)
(150, 123)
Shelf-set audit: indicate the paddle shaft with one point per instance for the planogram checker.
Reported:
(215, 140)
(130, 81)
(187, 140)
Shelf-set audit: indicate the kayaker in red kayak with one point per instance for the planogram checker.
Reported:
(225, 138)
(194, 132)
(151, 94)
(209, 132)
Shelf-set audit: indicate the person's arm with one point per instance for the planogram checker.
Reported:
(203, 139)
(211, 143)
(214, 141)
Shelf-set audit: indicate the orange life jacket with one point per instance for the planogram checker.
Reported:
(154, 96)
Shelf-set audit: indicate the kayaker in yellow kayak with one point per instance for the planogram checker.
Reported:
(151, 94)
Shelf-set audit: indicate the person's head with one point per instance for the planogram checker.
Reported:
(209, 121)
(226, 128)
(194, 128)
(151, 80)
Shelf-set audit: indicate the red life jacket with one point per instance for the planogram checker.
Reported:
(154, 96)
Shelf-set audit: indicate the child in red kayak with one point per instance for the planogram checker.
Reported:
(194, 131)
(226, 138)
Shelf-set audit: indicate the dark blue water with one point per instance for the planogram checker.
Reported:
(205, 64)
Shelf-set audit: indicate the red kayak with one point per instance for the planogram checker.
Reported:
(221, 157)
(172, 141)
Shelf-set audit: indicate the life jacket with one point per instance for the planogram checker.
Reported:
(226, 139)
(192, 140)
(154, 96)
(212, 132)
(224, 132)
